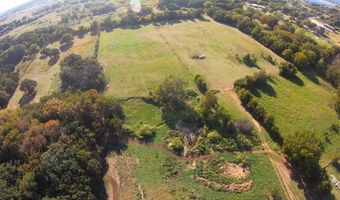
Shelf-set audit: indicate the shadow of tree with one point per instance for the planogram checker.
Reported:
(53, 61)
(65, 47)
(308, 192)
(296, 80)
(155, 23)
(264, 88)
(311, 75)
(26, 99)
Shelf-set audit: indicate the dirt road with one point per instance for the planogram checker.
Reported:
(112, 179)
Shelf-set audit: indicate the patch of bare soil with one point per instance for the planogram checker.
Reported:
(129, 188)
(233, 187)
(235, 171)
(111, 179)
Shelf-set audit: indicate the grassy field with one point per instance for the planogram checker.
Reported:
(47, 76)
(148, 172)
(138, 113)
(134, 63)
(136, 59)
(300, 104)
(220, 44)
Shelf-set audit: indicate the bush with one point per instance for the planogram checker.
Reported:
(176, 145)
(269, 58)
(145, 132)
(287, 69)
(201, 84)
(214, 137)
(260, 114)
(249, 60)
(248, 82)
(243, 143)
(244, 127)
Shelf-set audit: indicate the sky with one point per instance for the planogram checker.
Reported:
(8, 4)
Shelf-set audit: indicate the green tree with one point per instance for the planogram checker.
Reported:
(66, 39)
(304, 149)
(201, 84)
(171, 94)
(301, 60)
(28, 86)
(287, 69)
(94, 27)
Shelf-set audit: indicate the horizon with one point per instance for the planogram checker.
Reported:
(6, 5)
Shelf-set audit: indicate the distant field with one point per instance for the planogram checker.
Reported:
(303, 105)
(47, 76)
(146, 168)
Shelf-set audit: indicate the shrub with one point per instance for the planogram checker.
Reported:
(243, 143)
(260, 114)
(269, 58)
(249, 60)
(176, 145)
(248, 82)
(244, 127)
(287, 69)
(201, 84)
(145, 132)
(214, 137)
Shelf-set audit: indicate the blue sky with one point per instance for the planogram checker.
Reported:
(8, 4)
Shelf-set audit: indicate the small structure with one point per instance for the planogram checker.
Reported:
(199, 56)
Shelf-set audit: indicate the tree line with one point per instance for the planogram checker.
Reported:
(55, 149)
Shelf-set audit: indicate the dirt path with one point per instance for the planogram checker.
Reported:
(112, 179)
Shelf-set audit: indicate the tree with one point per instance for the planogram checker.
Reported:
(28, 86)
(66, 39)
(83, 74)
(287, 69)
(54, 56)
(170, 93)
(145, 133)
(94, 28)
(201, 84)
(249, 60)
(301, 60)
(304, 149)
